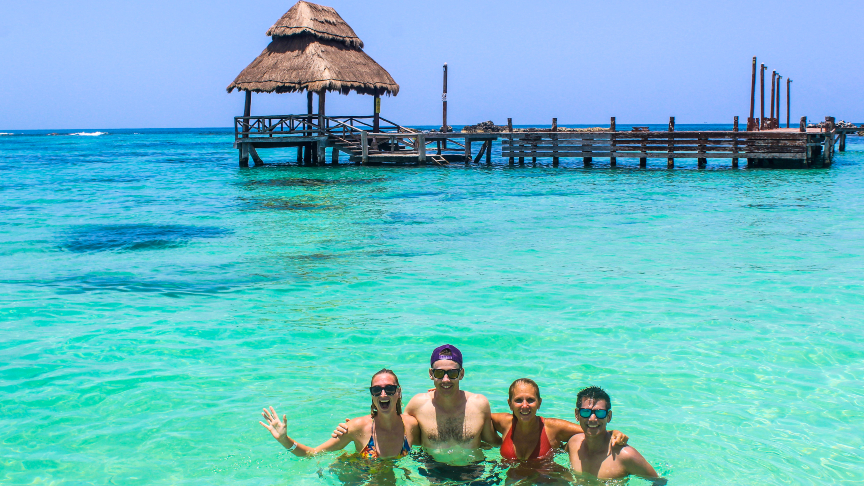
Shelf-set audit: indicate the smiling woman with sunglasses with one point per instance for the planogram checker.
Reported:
(384, 433)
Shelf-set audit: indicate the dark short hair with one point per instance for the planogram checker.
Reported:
(594, 392)
(523, 381)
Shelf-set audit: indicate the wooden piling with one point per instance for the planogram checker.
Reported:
(308, 112)
(444, 102)
(842, 147)
(670, 162)
(247, 110)
(777, 118)
(643, 161)
(510, 131)
(751, 122)
(613, 161)
(488, 152)
(364, 147)
(701, 161)
(735, 143)
(802, 127)
(467, 150)
(299, 155)
(773, 80)
(421, 148)
(762, 96)
(788, 85)
(335, 156)
(554, 142)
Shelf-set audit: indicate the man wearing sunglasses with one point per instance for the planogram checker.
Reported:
(591, 452)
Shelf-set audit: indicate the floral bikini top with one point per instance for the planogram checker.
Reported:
(370, 452)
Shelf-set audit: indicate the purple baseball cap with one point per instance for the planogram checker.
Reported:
(447, 351)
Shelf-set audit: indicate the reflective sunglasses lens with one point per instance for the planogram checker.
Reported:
(585, 412)
(390, 389)
(438, 374)
(601, 414)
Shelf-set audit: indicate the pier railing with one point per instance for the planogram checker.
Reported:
(665, 145)
(308, 125)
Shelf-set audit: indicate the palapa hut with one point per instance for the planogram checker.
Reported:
(314, 50)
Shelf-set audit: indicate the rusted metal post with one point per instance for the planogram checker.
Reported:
(510, 131)
(735, 143)
(751, 123)
(788, 100)
(762, 96)
(670, 162)
(613, 161)
(444, 101)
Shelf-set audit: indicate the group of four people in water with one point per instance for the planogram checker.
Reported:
(450, 424)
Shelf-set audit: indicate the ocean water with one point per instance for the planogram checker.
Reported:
(154, 297)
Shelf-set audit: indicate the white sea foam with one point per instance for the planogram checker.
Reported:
(89, 134)
(4, 133)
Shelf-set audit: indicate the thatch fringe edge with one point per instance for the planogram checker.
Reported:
(343, 87)
(292, 31)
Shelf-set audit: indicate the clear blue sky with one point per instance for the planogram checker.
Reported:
(137, 64)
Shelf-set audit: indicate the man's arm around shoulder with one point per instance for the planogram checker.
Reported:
(635, 464)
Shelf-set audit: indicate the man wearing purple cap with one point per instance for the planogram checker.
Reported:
(452, 422)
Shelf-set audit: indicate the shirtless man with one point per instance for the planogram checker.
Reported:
(591, 452)
(452, 422)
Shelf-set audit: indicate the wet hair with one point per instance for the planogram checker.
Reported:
(385, 371)
(523, 381)
(594, 392)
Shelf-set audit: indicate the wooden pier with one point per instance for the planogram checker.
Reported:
(391, 143)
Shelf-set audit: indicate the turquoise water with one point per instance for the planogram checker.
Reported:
(155, 297)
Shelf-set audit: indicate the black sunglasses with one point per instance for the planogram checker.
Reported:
(586, 412)
(388, 389)
(439, 374)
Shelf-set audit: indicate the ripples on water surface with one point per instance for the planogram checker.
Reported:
(155, 297)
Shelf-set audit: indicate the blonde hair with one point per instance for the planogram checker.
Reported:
(385, 371)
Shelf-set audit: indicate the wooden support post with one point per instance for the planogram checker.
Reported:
(439, 147)
(554, 142)
(701, 161)
(244, 154)
(777, 118)
(510, 131)
(307, 132)
(670, 162)
(522, 152)
(751, 122)
(481, 153)
(613, 161)
(735, 143)
(299, 155)
(364, 147)
(643, 161)
(307, 154)
(421, 148)
(773, 79)
(802, 126)
(444, 101)
(376, 117)
(255, 158)
(321, 153)
(335, 155)
(467, 150)
(788, 100)
(842, 147)
(321, 98)
(489, 152)
(762, 96)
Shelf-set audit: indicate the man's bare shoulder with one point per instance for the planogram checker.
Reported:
(575, 441)
(417, 402)
(477, 400)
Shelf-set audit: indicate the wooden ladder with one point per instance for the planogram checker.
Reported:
(439, 160)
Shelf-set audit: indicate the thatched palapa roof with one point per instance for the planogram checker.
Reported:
(314, 49)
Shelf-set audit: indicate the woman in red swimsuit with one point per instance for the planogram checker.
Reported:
(385, 433)
(529, 437)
